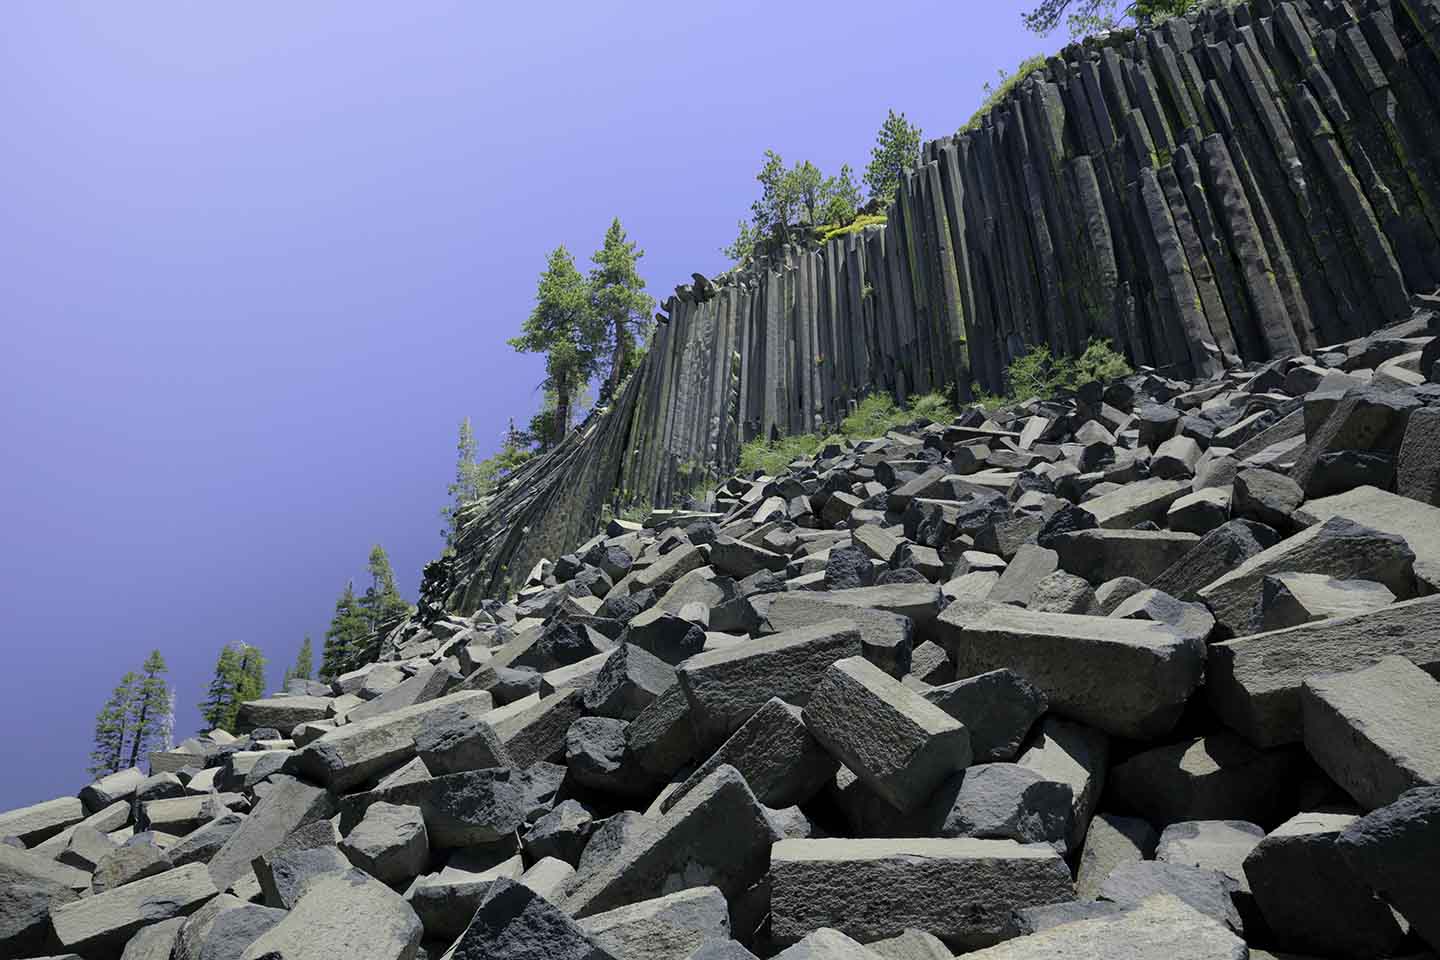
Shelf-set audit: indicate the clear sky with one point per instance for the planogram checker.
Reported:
(257, 260)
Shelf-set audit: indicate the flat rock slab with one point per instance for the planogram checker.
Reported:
(1208, 891)
(1100, 555)
(459, 809)
(107, 920)
(40, 821)
(344, 915)
(346, 757)
(998, 708)
(282, 713)
(289, 804)
(675, 925)
(1219, 845)
(886, 639)
(1136, 502)
(1130, 678)
(1376, 730)
(1112, 841)
(896, 741)
(1160, 927)
(1253, 683)
(724, 687)
(964, 891)
(1417, 522)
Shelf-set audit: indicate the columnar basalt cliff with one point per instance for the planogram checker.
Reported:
(1248, 183)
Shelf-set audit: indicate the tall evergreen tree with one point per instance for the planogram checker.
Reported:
(564, 327)
(304, 662)
(620, 301)
(468, 483)
(112, 727)
(250, 671)
(148, 706)
(348, 627)
(897, 148)
(382, 600)
(219, 707)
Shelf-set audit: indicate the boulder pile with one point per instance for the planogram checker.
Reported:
(1147, 670)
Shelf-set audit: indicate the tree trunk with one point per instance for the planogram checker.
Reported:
(562, 410)
(618, 361)
(139, 730)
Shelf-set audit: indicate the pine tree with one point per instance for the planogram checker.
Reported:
(1087, 17)
(348, 628)
(250, 672)
(468, 485)
(897, 148)
(112, 727)
(304, 662)
(382, 600)
(219, 706)
(147, 708)
(564, 327)
(167, 723)
(618, 295)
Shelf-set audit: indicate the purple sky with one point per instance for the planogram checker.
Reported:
(259, 259)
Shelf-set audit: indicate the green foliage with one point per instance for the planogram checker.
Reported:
(897, 148)
(771, 457)
(997, 91)
(618, 298)
(798, 193)
(476, 479)
(304, 663)
(564, 326)
(1088, 17)
(347, 631)
(112, 727)
(831, 231)
(637, 512)
(1039, 374)
(874, 416)
(148, 707)
(239, 676)
(382, 601)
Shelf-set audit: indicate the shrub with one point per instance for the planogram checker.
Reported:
(771, 457)
(995, 92)
(637, 512)
(878, 414)
(830, 231)
(1039, 374)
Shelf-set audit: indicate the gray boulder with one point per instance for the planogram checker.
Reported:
(389, 843)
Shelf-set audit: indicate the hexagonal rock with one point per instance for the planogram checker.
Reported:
(446, 901)
(1253, 683)
(309, 852)
(282, 713)
(1072, 753)
(31, 887)
(1189, 620)
(1290, 599)
(1310, 899)
(515, 922)
(111, 788)
(1266, 497)
(998, 708)
(964, 891)
(629, 682)
(896, 741)
(1395, 850)
(738, 559)
(1005, 801)
(460, 809)
(1111, 841)
(1160, 926)
(724, 687)
(674, 925)
(288, 805)
(885, 638)
(343, 915)
(665, 635)
(105, 921)
(37, 822)
(718, 835)
(911, 945)
(778, 756)
(1219, 845)
(1126, 677)
(1338, 548)
(455, 739)
(1136, 502)
(1100, 555)
(1208, 891)
(390, 842)
(1375, 731)
(827, 943)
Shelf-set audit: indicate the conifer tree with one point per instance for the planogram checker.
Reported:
(468, 484)
(347, 629)
(897, 148)
(112, 727)
(382, 600)
(620, 301)
(218, 708)
(147, 707)
(167, 723)
(250, 671)
(304, 662)
(564, 327)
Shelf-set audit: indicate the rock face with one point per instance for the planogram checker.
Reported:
(1193, 194)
